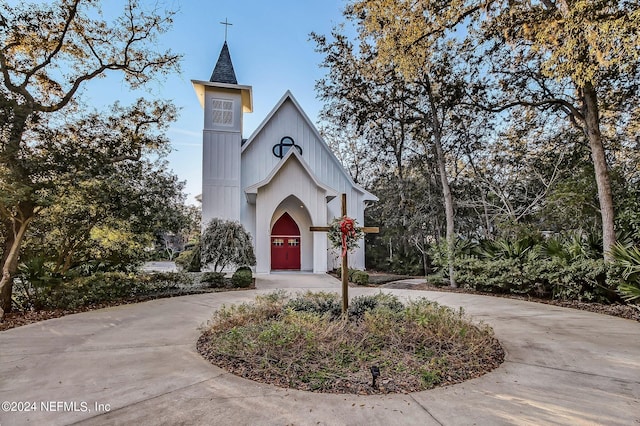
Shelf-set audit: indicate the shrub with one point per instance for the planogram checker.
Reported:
(162, 280)
(349, 272)
(436, 279)
(496, 276)
(189, 260)
(582, 279)
(352, 276)
(225, 243)
(360, 278)
(242, 278)
(98, 288)
(317, 303)
(361, 304)
(625, 273)
(106, 288)
(213, 279)
(35, 282)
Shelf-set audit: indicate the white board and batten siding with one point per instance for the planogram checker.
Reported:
(221, 186)
(299, 177)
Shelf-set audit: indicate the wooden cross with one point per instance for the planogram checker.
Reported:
(345, 263)
(226, 26)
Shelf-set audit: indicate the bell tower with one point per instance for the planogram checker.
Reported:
(224, 102)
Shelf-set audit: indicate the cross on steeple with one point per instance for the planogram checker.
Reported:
(226, 26)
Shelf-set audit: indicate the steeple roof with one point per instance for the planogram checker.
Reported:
(223, 72)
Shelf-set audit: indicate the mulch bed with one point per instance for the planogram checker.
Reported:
(354, 382)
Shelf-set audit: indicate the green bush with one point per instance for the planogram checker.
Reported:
(349, 272)
(162, 280)
(242, 278)
(563, 267)
(368, 303)
(495, 276)
(35, 282)
(624, 274)
(352, 273)
(213, 279)
(317, 303)
(360, 278)
(582, 279)
(105, 287)
(436, 279)
(189, 260)
(96, 289)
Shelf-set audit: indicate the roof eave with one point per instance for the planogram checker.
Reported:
(246, 92)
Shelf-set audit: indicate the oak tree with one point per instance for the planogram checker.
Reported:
(575, 58)
(48, 51)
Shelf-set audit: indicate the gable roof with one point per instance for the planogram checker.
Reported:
(223, 71)
(252, 191)
(289, 96)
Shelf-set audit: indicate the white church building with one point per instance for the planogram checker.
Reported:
(279, 182)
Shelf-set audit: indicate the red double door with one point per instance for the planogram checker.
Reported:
(285, 244)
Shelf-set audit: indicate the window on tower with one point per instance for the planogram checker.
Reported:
(223, 112)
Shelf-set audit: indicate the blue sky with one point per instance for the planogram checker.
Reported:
(270, 49)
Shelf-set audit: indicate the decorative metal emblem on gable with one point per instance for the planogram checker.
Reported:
(281, 149)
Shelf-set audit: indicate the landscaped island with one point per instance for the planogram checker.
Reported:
(306, 343)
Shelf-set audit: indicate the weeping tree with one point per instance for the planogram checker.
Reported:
(226, 243)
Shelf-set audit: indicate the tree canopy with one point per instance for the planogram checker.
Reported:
(534, 106)
(47, 52)
(572, 59)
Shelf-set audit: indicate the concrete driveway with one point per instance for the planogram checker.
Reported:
(137, 364)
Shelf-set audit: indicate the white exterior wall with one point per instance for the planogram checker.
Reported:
(258, 162)
(221, 185)
(291, 180)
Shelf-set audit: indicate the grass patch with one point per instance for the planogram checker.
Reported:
(305, 343)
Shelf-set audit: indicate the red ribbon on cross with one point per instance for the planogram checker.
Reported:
(348, 229)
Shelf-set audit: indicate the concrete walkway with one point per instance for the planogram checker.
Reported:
(137, 364)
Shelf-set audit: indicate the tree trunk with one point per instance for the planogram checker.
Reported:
(16, 230)
(449, 214)
(424, 261)
(598, 155)
(487, 231)
(446, 189)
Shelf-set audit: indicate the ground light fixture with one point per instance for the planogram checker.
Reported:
(375, 373)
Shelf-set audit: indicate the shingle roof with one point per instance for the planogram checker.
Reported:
(223, 72)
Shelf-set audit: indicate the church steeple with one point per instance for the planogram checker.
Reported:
(224, 102)
(223, 72)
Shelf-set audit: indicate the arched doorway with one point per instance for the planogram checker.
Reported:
(285, 244)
